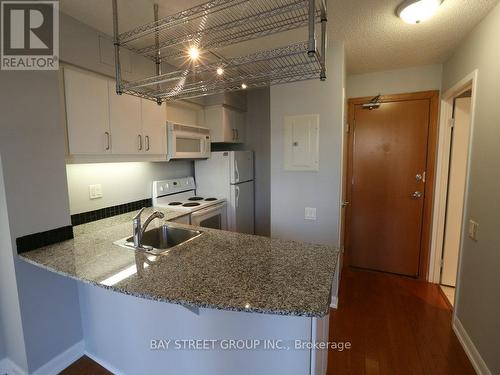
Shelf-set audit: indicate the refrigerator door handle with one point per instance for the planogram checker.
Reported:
(237, 195)
(236, 171)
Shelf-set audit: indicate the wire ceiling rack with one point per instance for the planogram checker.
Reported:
(222, 23)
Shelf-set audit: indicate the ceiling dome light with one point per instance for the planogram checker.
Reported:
(416, 11)
(220, 71)
(193, 53)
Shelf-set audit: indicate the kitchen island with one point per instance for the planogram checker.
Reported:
(219, 286)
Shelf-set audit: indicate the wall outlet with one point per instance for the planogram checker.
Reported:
(310, 213)
(473, 229)
(95, 191)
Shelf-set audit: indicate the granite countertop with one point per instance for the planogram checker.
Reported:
(219, 269)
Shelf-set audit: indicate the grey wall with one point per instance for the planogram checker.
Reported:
(478, 305)
(121, 182)
(11, 330)
(420, 78)
(3, 351)
(83, 46)
(32, 147)
(258, 139)
(291, 192)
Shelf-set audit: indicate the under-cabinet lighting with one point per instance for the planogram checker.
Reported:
(416, 11)
(220, 71)
(194, 53)
(243, 86)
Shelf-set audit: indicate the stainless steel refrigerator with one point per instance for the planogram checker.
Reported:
(229, 175)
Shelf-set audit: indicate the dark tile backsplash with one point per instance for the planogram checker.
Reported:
(50, 237)
(103, 213)
(36, 240)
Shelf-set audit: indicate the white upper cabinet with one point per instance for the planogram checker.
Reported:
(87, 113)
(154, 127)
(226, 124)
(101, 122)
(125, 123)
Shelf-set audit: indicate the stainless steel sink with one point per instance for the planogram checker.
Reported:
(161, 239)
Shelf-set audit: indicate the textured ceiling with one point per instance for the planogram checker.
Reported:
(375, 38)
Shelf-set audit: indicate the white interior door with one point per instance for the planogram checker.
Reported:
(242, 199)
(456, 190)
(125, 121)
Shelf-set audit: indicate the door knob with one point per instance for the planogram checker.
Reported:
(417, 194)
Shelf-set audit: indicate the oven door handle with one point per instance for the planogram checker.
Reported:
(208, 210)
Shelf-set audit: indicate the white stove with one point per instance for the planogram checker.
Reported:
(180, 195)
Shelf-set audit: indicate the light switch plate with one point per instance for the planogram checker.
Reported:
(473, 229)
(310, 213)
(95, 191)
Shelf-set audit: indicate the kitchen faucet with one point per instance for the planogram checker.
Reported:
(139, 228)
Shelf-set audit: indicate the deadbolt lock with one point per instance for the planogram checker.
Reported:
(417, 194)
(420, 177)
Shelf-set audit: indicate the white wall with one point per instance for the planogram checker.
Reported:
(258, 139)
(478, 306)
(121, 182)
(118, 329)
(11, 330)
(291, 192)
(420, 78)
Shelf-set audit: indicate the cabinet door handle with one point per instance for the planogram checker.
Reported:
(147, 142)
(139, 137)
(237, 135)
(108, 141)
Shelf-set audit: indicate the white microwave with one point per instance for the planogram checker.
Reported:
(187, 142)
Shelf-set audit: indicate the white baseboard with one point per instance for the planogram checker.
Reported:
(104, 364)
(470, 349)
(61, 361)
(9, 367)
(335, 302)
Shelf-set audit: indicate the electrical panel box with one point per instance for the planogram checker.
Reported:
(301, 143)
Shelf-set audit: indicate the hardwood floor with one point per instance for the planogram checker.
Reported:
(85, 366)
(396, 326)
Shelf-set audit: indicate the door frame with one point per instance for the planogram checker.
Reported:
(433, 97)
(441, 191)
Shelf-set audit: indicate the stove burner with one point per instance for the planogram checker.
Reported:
(175, 203)
(192, 204)
(210, 199)
(195, 199)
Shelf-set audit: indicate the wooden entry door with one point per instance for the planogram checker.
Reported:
(390, 167)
